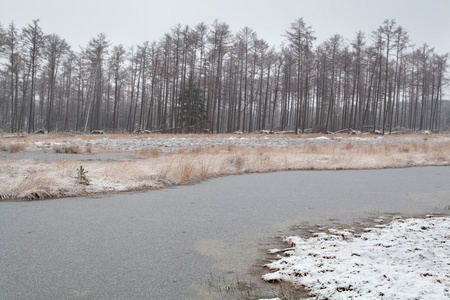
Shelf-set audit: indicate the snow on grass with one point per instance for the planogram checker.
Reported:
(122, 142)
(156, 161)
(407, 259)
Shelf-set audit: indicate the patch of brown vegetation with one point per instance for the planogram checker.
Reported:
(157, 168)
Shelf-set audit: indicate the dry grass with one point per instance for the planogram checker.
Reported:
(12, 146)
(30, 179)
(66, 148)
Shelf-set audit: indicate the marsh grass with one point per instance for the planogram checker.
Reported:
(34, 181)
(146, 152)
(67, 148)
(16, 147)
(204, 170)
(154, 169)
(232, 287)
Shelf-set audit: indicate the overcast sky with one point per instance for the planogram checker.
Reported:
(132, 22)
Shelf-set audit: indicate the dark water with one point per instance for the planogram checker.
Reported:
(164, 244)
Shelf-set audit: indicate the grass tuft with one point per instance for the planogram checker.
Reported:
(66, 148)
(16, 147)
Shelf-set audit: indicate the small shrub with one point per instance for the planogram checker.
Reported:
(16, 147)
(186, 173)
(68, 149)
(137, 129)
(3, 147)
(81, 177)
(237, 161)
(404, 149)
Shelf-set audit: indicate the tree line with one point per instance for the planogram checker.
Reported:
(207, 78)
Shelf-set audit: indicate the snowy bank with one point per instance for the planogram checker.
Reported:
(139, 143)
(406, 259)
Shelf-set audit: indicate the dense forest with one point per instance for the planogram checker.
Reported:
(209, 79)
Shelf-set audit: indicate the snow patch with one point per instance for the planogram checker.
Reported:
(407, 259)
(320, 138)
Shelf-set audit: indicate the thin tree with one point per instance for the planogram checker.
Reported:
(56, 48)
(95, 53)
(300, 38)
(116, 63)
(33, 39)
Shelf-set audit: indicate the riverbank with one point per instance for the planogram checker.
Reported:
(48, 166)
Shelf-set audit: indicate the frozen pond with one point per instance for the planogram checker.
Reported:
(163, 244)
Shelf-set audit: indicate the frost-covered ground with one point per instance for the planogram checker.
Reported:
(405, 259)
(133, 144)
(218, 141)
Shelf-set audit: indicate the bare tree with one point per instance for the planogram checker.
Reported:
(11, 50)
(56, 48)
(220, 38)
(116, 63)
(245, 40)
(357, 89)
(95, 54)
(33, 40)
(300, 39)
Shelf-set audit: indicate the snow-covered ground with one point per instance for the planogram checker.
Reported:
(133, 144)
(405, 259)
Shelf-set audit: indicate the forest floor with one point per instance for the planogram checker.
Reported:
(49, 166)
